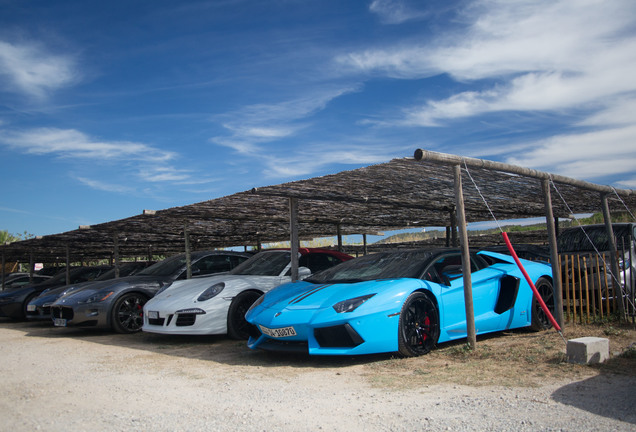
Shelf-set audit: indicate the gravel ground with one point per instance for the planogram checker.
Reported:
(74, 380)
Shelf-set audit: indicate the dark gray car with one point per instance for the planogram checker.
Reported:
(40, 307)
(118, 304)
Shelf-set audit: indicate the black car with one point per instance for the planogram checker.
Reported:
(17, 280)
(588, 241)
(40, 307)
(13, 303)
(118, 304)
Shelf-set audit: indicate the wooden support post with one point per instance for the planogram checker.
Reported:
(293, 237)
(149, 254)
(448, 236)
(364, 244)
(463, 239)
(68, 265)
(188, 253)
(3, 269)
(339, 230)
(116, 254)
(554, 253)
(453, 218)
(618, 293)
(31, 265)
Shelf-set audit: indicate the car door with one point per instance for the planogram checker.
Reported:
(485, 289)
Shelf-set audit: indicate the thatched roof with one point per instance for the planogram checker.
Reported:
(398, 194)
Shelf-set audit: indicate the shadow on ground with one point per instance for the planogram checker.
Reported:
(602, 395)
(215, 348)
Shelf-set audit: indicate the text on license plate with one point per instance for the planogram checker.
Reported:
(153, 314)
(59, 322)
(30, 308)
(278, 333)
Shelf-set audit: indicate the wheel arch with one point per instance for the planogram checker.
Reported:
(109, 312)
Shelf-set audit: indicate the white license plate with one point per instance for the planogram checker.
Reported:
(278, 333)
(59, 322)
(30, 308)
(153, 314)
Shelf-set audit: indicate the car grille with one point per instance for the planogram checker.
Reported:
(279, 345)
(185, 320)
(62, 312)
(341, 336)
(156, 321)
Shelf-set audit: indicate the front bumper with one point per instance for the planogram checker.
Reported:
(86, 315)
(331, 334)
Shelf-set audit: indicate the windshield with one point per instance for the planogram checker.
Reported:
(167, 267)
(386, 265)
(576, 240)
(126, 269)
(270, 263)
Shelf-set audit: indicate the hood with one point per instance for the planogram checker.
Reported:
(192, 288)
(152, 283)
(305, 295)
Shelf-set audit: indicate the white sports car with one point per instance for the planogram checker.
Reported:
(217, 304)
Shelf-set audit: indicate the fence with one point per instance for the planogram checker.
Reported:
(590, 290)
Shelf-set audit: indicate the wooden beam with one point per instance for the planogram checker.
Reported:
(293, 237)
(448, 159)
(613, 252)
(463, 240)
(188, 253)
(554, 253)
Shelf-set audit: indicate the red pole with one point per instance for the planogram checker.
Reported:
(534, 289)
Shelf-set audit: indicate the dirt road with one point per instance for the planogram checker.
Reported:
(74, 380)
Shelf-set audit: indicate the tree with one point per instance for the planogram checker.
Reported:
(5, 237)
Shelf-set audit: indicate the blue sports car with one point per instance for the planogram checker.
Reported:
(403, 302)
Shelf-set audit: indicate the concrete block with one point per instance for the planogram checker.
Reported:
(588, 350)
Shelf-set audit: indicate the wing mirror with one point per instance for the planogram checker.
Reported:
(303, 272)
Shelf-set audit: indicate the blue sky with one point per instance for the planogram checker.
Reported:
(109, 108)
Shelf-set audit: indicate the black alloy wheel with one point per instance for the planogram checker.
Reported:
(237, 327)
(128, 313)
(540, 320)
(418, 325)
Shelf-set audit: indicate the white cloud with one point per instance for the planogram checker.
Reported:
(32, 70)
(543, 55)
(590, 155)
(261, 123)
(70, 143)
(107, 187)
(396, 11)
(319, 155)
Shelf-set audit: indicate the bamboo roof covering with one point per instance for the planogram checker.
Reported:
(402, 193)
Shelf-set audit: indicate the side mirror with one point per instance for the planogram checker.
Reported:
(303, 272)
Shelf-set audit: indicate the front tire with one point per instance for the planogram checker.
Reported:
(418, 330)
(540, 320)
(127, 315)
(237, 327)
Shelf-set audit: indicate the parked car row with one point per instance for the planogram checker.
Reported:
(404, 301)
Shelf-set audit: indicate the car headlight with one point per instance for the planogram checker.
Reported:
(351, 304)
(97, 297)
(211, 292)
